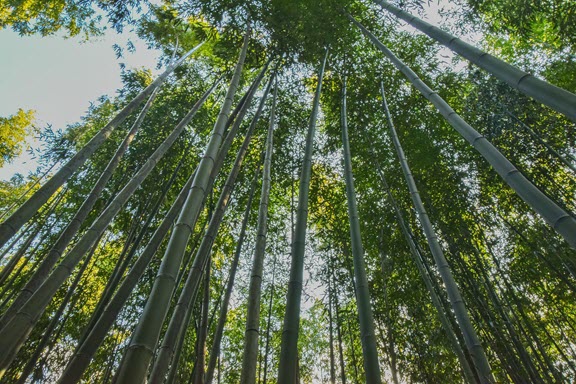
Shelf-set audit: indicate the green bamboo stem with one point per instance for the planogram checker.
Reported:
(250, 357)
(366, 319)
(289, 350)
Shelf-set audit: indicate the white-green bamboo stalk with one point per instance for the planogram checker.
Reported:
(215, 350)
(51, 258)
(546, 93)
(554, 215)
(470, 337)
(366, 319)
(134, 365)
(13, 223)
(202, 256)
(250, 357)
(13, 335)
(289, 350)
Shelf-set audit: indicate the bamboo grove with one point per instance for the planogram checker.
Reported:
(308, 192)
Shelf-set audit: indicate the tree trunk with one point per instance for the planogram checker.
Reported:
(291, 327)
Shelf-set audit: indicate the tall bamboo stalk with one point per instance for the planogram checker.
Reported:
(289, 350)
(13, 223)
(250, 357)
(366, 319)
(470, 337)
(134, 365)
(203, 331)
(215, 350)
(554, 215)
(13, 335)
(546, 93)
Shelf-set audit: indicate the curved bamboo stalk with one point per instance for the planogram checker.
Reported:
(13, 335)
(366, 319)
(546, 93)
(289, 351)
(555, 216)
(134, 365)
(250, 358)
(13, 223)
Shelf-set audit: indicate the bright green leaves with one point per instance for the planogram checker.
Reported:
(14, 130)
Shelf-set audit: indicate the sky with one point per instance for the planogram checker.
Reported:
(58, 78)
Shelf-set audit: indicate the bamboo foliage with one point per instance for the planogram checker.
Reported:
(13, 223)
(287, 371)
(554, 215)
